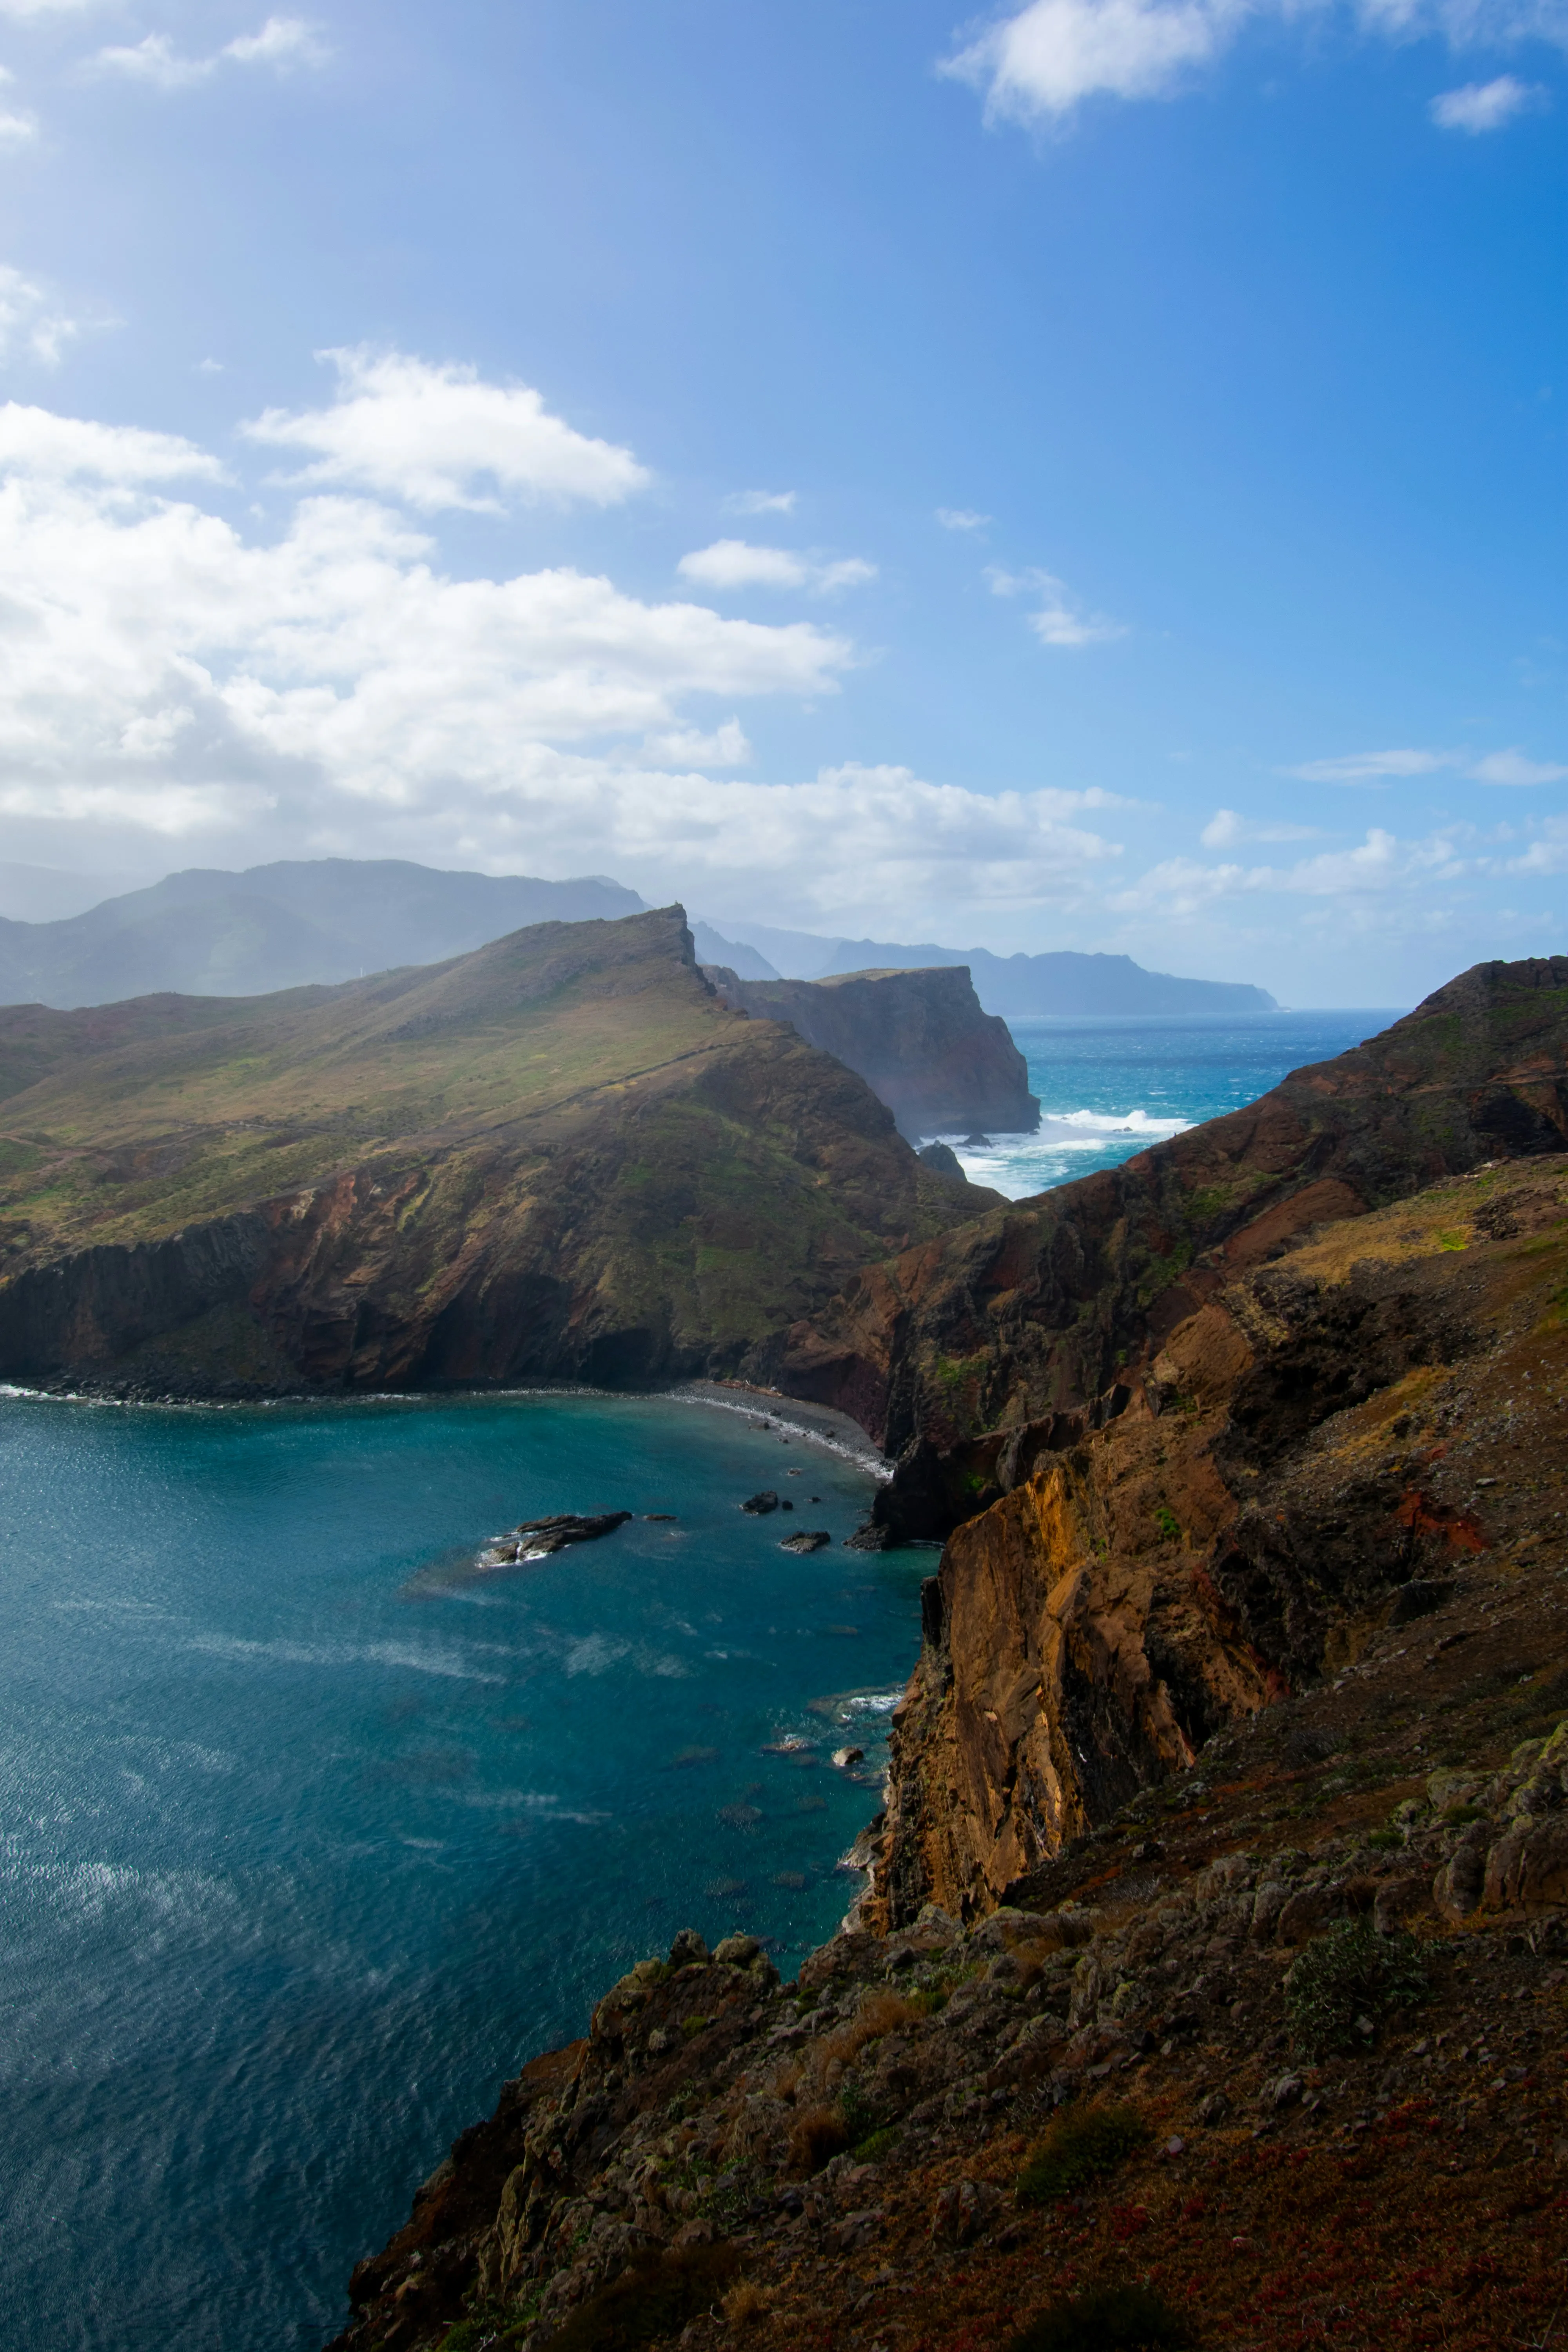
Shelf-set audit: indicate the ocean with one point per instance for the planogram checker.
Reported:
(311, 1831)
(1108, 1088)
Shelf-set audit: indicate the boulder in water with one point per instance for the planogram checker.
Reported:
(758, 1505)
(540, 1536)
(808, 1539)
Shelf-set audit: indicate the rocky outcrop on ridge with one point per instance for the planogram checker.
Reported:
(920, 1039)
(1043, 1305)
(560, 1156)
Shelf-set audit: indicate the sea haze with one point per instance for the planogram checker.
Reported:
(1110, 1088)
(312, 1834)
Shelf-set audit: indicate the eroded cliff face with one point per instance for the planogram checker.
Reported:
(1045, 1305)
(1280, 1488)
(920, 1039)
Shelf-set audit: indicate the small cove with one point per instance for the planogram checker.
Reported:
(312, 1834)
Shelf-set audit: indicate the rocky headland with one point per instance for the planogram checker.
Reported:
(559, 1155)
(920, 1039)
(1209, 1981)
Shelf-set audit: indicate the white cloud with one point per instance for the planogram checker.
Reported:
(1058, 622)
(335, 690)
(1484, 105)
(1228, 830)
(1370, 767)
(756, 502)
(29, 320)
(16, 129)
(1511, 767)
(732, 563)
(1379, 865)
(428, 434)
(51, 447)
(1041, 61)
(688, 747)
(283, 43)
(961, 518)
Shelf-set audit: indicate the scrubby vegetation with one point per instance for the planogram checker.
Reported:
(1346, 1981)
(1110, 2319)
(1081, 2144)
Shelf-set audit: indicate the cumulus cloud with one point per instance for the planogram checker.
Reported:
(961, 518)
(732, 563)
(756, 502)
(54, 447)
(334, 690)
(1057, 621)
(30, 322)
(1484, 105)
(283, 43)
(16, 129)
(1039, 62)
(429, 433)
(1375, 867)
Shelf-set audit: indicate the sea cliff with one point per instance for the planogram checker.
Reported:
(1220, 1905)
(920, 1039)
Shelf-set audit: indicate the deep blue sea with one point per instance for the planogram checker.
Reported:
(310, 1834)
(1110, 1088)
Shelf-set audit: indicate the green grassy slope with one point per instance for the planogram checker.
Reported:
(558, 1153)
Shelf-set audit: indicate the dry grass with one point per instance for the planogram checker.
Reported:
(878, 2013)
(817, 2134)
(745, 2303)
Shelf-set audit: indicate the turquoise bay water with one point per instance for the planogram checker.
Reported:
(312, 1835)
(1108, 1088)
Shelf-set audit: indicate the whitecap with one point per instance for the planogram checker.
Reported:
(446, 1663)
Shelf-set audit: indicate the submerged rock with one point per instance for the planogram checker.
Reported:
(808, 1539)
(760, 1504)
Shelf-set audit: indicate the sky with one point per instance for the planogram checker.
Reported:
(1087, 475)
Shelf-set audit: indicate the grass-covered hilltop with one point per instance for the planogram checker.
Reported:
(558, 1155)
(1210, 1983)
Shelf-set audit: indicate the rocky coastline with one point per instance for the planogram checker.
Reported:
(1220, 1906)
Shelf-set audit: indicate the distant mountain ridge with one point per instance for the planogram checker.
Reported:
(304, 922)
(298, 923)
(1064, 981)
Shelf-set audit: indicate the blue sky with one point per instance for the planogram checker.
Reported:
(1086, 476)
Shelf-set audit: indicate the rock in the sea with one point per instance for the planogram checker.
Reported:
(845, 1757)
(761, 1503)
(808, 1539)
(539, 1537)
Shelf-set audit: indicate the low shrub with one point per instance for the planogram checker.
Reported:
(1107, 2319)
(1080, 2146)
(745, 2303)
(655, 2297)
(1351, 1972)
(875, 2145)
(816, 2135)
